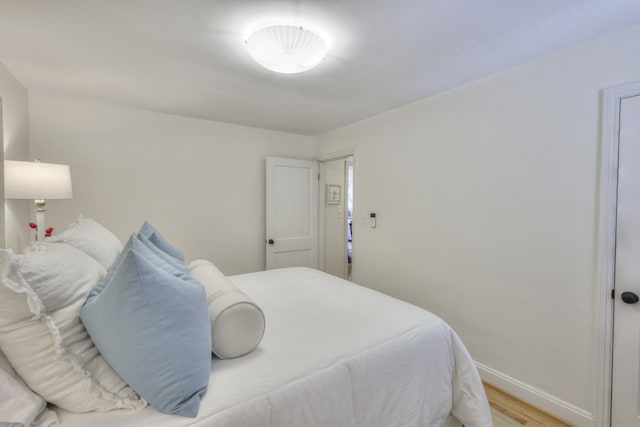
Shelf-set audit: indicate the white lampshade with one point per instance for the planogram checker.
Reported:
(34, 180)
(286, 48)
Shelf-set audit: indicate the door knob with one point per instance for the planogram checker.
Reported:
(271, 242)
(629, 297)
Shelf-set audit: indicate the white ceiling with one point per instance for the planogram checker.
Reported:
(186, 57)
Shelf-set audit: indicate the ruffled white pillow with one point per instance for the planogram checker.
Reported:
(41, 293)
(18, 404)
(91, 238)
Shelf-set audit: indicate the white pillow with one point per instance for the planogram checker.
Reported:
(41, 334)
(18, 404)
(91, 238)
(237, 323)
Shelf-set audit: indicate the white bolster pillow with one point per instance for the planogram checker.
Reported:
(237, 323)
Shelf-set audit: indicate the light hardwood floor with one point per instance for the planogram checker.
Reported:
(509, 411)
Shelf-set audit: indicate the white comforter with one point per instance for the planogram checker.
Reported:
(334, 354)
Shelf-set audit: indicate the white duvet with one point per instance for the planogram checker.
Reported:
(333, 354)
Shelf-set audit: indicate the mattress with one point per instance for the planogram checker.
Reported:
(333, 354)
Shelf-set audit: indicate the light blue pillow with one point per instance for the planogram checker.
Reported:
(144, 247)
(174, 262)
(158, 239)
(153, 328)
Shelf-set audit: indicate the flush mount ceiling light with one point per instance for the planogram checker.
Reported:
(286, 48)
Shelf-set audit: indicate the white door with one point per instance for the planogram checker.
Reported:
(625, 410)
(292, 213)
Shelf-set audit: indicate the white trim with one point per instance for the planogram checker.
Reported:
(606, 247)
(321, 215)
(537, 397)
(335, 155)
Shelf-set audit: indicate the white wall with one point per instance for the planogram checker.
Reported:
(201, 183)
(486, 198)
(15, 130)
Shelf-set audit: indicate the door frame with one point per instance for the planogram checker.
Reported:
(2, 214)
(611, 101)
(336, 155)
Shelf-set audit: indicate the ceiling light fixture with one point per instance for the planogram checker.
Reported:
(286, 48)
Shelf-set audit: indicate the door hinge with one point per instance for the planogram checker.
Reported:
(613, 294)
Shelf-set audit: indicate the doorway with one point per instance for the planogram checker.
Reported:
(336, 216)
(349, 187)
(2, 242)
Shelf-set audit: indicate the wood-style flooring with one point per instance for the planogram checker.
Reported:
(508, 411)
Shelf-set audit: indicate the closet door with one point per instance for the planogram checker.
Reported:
(626, 338)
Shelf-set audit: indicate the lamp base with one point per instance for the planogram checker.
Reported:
(40, 210)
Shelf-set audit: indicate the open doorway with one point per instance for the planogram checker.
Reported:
(2, 242)
(349, 187)
(336, 216)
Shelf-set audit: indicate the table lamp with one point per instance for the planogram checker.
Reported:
(37, 181)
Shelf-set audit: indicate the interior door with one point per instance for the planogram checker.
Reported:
(625, 409)
(333, 175)
(292, 213)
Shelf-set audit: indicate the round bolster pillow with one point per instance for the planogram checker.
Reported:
(237, 323)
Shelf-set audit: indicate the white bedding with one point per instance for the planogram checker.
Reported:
(333, 354)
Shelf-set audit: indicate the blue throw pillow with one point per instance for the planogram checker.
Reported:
(158, 239)
(153, 328)
(173, 262)
(144, 247)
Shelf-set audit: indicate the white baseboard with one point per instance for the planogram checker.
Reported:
(537, 397)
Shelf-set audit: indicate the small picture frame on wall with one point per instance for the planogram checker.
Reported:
(334, 194)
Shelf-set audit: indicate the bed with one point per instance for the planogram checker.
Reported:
(98, 328)
(333, 354)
